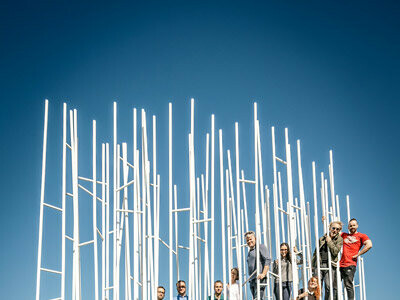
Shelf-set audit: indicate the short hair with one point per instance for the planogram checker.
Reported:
(250, 233)
(237, 272)
(216, 281)
(179, 281)
(354, 219)
(161, 287)
(336, 222)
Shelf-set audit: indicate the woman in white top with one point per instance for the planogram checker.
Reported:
(233, 291)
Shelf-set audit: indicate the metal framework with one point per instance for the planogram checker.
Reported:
(125, 225)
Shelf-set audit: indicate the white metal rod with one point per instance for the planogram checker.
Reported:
(42, 187)
(94, 200)
(170, 198)
(221, 182)
(212, 202)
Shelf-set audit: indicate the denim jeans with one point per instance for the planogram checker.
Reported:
(253, 289)
(286, 290)
(347, 275)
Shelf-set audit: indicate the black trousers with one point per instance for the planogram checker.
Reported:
(347, 275)
(325, 281)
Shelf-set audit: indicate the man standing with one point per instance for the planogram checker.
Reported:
(181, 288)
(354, 245)
(160, 293)
(265, 261)
(218, 287)
(332, 241)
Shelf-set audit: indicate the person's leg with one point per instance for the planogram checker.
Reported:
(348, 276)
(253, 289)
(334, 282)
(276, 290)
(325, 281)
(286, 291)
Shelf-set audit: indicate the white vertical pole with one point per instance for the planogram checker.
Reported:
(176, 234)
(303, 213)
(291, 214)
(108, 220)
(316, 222)
(257, 219)
(276, 213)
(94, 199)
(348, 208)
(245, 202)
(170, 197)
(221, 174)
(136, 209)
(115, 229)
(155, 207)
(332, 183)
(212, 202)
(239, 230)
(103, 221)
(39, 264)
(63, 194)
(281, 206)
(363, 278)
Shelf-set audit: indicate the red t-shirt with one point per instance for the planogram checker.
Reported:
(352, 243)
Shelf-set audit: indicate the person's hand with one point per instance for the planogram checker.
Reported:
(328, 238)
(355, 256)
(261, 276)
(323, 219)
(295, 250)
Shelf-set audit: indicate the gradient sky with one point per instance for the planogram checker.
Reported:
(327, 70)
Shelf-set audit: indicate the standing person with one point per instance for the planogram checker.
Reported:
(286, 271)
(354, 245)
(160, 292)
(233, 289)
(332, 241)
(181, 288)
(218, 287)
(313, 291)
(265, 261)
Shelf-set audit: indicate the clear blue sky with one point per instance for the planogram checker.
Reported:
(327, 70)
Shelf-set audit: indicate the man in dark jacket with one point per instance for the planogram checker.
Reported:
(333, 243)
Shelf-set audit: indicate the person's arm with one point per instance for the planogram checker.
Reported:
(367, 246)
(334, 248)
(301, 296)
(264, 273)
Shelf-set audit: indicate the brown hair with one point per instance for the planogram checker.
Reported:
(237, 272)
(317, 292)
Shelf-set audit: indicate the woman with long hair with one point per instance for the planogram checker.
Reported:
(233, 289)
(313, 291)
(286, 271)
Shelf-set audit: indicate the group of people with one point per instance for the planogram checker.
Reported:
(329, 245)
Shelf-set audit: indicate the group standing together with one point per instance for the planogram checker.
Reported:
(353, 244)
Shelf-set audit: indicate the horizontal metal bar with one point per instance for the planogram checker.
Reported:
(247, 181)
(59, 298)
(155, 185)
(199, 238)
(280, 160)
(108, 288)
(127, 162)
(52, 206)
(50, 271)
(297, 207)
(68, 145)
(183, 247)
(86, 243)
(69, 194)
(129, 211)
(202, 221)
(126, 185)
(68, 237)
(282, 210)
(181, 209)
(91, 180)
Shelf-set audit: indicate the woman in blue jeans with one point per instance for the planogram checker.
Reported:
(286, 271)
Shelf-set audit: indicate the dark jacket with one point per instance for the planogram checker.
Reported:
(334, 247)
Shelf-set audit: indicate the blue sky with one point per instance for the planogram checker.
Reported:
(327, 70)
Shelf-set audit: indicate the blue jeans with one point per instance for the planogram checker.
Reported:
(286, 290)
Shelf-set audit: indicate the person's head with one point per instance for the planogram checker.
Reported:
(160, 293)
(285, 251)
(218, 286)
(334, 228)
(250, 239)
(181, 287)
(234, 274)
(353, 225)
(313, 286)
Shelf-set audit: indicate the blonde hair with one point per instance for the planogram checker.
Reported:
(336, 222)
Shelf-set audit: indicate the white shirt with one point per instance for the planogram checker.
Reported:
(233, 292)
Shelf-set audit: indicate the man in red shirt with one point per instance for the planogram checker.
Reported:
(354, 245)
